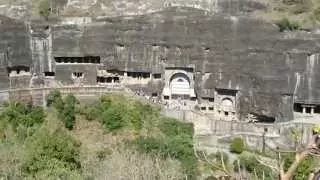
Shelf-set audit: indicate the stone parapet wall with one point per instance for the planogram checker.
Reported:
(218, 132)
(38, 95)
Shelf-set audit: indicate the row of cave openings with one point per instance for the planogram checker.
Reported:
(118, 74)
(79, 60)
(306, 108)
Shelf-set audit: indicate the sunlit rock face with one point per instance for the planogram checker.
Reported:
(228, 50)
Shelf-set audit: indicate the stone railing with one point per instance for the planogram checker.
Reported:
(37, 95)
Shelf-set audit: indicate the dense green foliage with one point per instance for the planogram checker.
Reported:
(51, 154)
(237, 145)
(21, 118)
(116, 112)
(177, 143)
(16, 114)
(43, 155)
(66, 107)
(252, 165)
(304, 169)
(285, 24)
(44, 149)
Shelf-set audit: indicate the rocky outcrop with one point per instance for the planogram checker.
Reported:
(229, 49)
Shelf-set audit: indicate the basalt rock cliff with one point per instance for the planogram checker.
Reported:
(228, 48)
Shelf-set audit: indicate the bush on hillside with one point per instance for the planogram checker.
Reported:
(19, 114)
(116, 112)
(177, 143)
(66, 107)
(249, 163)
(305, 167)
(237, 145)
(51, 153)
(68, 113)
(285, 24)
(113, 119)
(54, 99)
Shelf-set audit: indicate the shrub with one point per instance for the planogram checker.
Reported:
(249, 163)
(68, 114)
(19, 114)
(177, 143)
(305, 167)
(237, 145)
(285, 24)
(66, 108)
(113, 119)
(53, 152)
(44, 8)
(172, 127)
(54, 98)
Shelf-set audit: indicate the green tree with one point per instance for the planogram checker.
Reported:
(113, 119)
(19, 114)
(68, 114)
(237, 145)
(54, 98)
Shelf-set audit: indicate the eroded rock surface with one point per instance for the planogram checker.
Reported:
(226, 49)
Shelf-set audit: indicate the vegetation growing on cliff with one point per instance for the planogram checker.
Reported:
(38, 144)
(116, 136)
(304, 13)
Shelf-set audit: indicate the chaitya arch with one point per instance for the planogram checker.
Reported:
(180, 84)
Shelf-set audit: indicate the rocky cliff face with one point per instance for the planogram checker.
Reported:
(227, 48)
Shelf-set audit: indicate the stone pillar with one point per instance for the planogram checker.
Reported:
(304, 110)
(312, 110)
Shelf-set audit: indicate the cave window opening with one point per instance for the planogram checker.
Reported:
(73, 60)
(166, 97)
(154, 94)
(203, 108)
(18, 70)
(308, 110)
(157, 76)
(49, 74)
(210, 108)
(100, 80)
(78, 74)
(297, 107)
(86, 59)
(146, 75)
(116, 79)
(211, 99)
(139, 75)
(114, 71)
(108, 80)
(193, 98)
(317, 110)
(226, 113)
